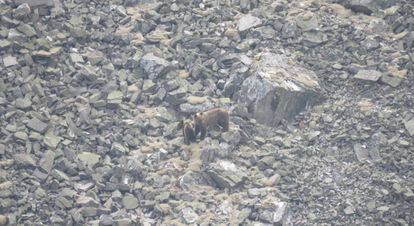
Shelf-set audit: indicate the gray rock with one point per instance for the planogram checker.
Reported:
(40, 174)
(199, 71)
(41, 54)
(265, 32)
(4, 44)
(119, 149)
(37, 125)
(276, 212)
(190, 108)
(26, 29)
(312, 135)
(307, 21)
(232, 137)
(368, 75)
(397, 188)
(232, 85)
(409, 126)
(155, 67)
(21, 136)
(370, 43)
(149, 86)
(22, 11)
(14, 35)
(2, 149)
(174, 7)
(391, 80)
(245, 5)
(130, 202)
(24, 160)
(56, 219)
(313, 38)
(51, 140)
(371, 206)
(191, 180)
(164, 196)
(189, 215)
(59, 175)
(23, 103)
(123, 222)
(383, 208)
(363, 6)
(177, 96)
(9, 22)
(114, 98)
(277, 90)
(208, 155)
(409, 193)
(349, 210)
(89, 211)
(86, 201)
(164, 115)
(76, 58)
(3, 220)
(256, 192)
(95, 56)
(9, 61)
(361, 152)
(40, 193)
(226, 174)
(89, 159)
(374, 146)
(248, 21)
(46, 162)
(289, 30)
(63, 202)
(106, 220)
(35, 3)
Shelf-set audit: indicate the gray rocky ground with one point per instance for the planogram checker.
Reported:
(320, 93)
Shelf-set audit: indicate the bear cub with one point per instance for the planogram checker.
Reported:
(188, 132)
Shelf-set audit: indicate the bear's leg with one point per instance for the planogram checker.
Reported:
(203, 132)
(191, 136)
(186, 139)
(224, 123)
(197, 130)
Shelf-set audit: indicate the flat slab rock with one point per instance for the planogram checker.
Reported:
(248, 21)
(409, 126)
(368, 75)
(35, 3)
(226, 174)
(278, 89)
(37, 125)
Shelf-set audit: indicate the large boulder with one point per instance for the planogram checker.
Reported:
(277, 90)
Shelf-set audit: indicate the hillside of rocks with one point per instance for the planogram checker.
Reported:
(320, 95)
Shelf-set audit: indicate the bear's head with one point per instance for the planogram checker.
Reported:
(198, 118)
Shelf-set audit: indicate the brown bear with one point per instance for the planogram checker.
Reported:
(210, 118)
(188, 132)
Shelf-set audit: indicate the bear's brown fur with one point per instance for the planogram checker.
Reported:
(188, 133)
(210, 118)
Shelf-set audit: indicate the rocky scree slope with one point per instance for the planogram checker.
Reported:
(91, 93)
